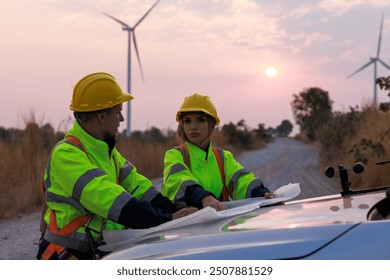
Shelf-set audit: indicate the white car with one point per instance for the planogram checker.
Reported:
(350, 225)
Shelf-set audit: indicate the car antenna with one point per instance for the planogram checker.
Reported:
(382, 162)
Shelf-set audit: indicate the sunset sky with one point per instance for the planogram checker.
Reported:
(219, 48)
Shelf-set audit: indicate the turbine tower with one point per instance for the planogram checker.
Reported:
(374, 60)
(131, 35)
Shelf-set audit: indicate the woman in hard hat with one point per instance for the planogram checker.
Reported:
(198, 174)
(88, 185)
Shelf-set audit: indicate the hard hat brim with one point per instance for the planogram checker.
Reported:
(194, 110)
(121, 99)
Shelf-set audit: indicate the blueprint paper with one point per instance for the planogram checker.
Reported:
(282, 194)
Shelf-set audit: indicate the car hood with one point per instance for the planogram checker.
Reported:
(293, 230)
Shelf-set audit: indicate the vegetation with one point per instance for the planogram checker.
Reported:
(312, 108)
(384, 83)
(284, 129)
(358, 135)
(25, 153)
(242, 137)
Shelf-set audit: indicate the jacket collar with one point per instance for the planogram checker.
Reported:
(91, 144)
(198, 151)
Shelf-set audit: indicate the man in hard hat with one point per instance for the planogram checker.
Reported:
(198, 174)
(89, 186)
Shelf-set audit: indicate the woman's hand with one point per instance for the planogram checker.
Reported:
(213, 202)
(268, 195)
(183, 212)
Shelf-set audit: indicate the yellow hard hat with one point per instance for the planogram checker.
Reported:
(198, 103)
(97, 91)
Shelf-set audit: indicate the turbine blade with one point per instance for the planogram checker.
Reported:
(119, 21)
(383, 63)
(380, 38)
(360, 69)
(138, 57)
(142, 18)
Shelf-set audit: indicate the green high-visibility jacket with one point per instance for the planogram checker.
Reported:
(204, 171)
(101, 183)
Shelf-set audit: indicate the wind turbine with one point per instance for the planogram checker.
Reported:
(374, 60)
(131, 33)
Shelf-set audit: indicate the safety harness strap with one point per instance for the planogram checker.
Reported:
(76, 142)
(218, 156)
(56, 236)
(225, 193)
(68, 242)
(65, 231)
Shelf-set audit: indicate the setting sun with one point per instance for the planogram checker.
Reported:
(271, 71)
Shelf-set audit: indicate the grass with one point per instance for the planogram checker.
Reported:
(368, 145)
(25, 153)
(22, 159)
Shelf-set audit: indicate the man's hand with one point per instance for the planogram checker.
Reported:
(183, 212)
(212, 202)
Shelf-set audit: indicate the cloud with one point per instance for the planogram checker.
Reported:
(340, 7)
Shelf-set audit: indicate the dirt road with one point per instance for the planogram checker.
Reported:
(283, 161)
(289, 161)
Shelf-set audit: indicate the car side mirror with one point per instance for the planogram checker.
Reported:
(381, 210)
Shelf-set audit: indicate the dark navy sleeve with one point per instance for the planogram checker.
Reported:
(259, 191)
(194, 195)
(137, 214)
(163, 203)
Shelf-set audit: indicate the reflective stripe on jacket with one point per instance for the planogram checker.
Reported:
(205, 172)
(77, 184)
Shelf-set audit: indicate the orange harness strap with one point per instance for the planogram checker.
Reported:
(65, 231)
(76, 142)
(73, 225)
(186, 156)
(225, 194)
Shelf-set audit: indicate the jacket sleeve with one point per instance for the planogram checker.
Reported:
(259, 191)
(141, 187)
(137, 214)
(241, 182)
(194, 195)
(163, 203)
(129, 178)
(179, 184)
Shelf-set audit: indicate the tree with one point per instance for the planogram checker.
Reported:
(154, 133)
(284, 129)
(343, 125)
(47, 132)
(238, 135)
(263, 133)
(384, 83)
(311, 108)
